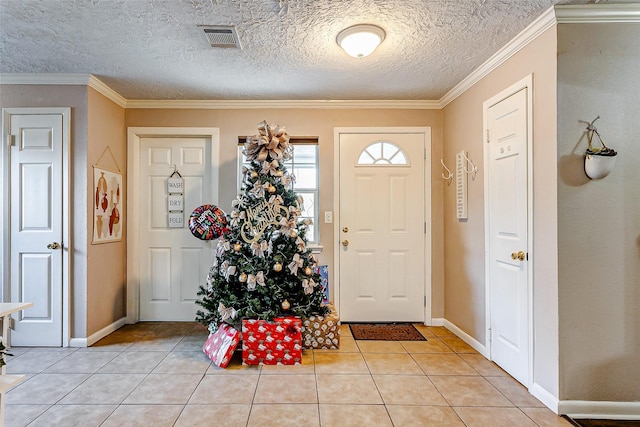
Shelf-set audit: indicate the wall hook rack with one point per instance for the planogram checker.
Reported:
(470, 167)
(449, 176)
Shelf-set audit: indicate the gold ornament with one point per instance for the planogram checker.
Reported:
(293, 234)
(308, 271)
(277, 267)
(271, 189)
(242, 278)
(285, 305)
(254, 174)
(237, 247)
(279, 174)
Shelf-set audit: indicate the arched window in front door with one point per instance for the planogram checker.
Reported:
(382, 153)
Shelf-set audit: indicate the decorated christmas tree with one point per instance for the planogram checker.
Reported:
(263, 267)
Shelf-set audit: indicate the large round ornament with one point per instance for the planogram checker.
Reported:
(207, 222)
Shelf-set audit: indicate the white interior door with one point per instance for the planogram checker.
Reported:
(507, 124)
(36, 228)
(382, 227)
(173, 263)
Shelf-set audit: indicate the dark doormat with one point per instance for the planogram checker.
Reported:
(385, 332)
(604, 423)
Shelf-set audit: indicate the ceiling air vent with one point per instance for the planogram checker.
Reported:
(222, 36)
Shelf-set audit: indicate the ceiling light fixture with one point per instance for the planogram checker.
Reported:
(360, 40)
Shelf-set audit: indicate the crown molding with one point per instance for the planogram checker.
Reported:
(560, 14)
(44, 79)
(600, 13)
(62, 79)
(526, 36)
(105, 90)
(284, 104)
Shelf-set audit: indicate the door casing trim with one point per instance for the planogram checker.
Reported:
(67, 243)
(134, 135)
(426, 131)
(525, 83)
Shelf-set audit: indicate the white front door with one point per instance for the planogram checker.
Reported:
(36, 228)
(173, 263)
(507, 174)
(382, 227)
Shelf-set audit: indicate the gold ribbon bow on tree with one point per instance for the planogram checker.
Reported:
(308, 285)
(271, 167)
(276, 200)
(227, 270)
(255, 279)
(226, 312)
(296, 264)
(236, 217)
(259, 249)
(271, 143)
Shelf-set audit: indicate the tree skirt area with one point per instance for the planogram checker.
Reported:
(385, 332)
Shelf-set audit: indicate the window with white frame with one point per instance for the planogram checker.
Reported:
(303, 164)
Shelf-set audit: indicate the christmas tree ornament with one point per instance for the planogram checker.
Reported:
(293, 234)
(254, 174)
(308, 271)
(237, 247)
(285, 305)
(277, 267)
(271, 189)
(242, 278)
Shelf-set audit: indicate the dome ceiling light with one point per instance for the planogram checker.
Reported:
(360, 40)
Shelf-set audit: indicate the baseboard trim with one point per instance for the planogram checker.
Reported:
(477, 345)
(78, 342)
(600, 410)
(438, 321)
(544, 396)
(94, 338)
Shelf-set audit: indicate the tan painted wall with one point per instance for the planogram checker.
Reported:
(310, 122)
(599, 221)
(106, 263)
(465, 241)
(74, 97)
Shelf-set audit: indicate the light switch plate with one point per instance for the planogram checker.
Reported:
(328, 217)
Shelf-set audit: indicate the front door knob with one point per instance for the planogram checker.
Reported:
(54, 245)
(518, 256)
(345, 243)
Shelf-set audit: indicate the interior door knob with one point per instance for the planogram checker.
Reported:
(54, 245)
(518, 256)
(345, 243)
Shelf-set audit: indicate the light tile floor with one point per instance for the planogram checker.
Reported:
(155, 374)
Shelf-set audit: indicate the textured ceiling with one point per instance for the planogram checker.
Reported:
(153, 49)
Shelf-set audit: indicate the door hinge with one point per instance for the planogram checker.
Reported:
(425, 228)
(425, 153)
(488, 139)
(12, 323)
(12, 140)
(425, 300)
(489, 334)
